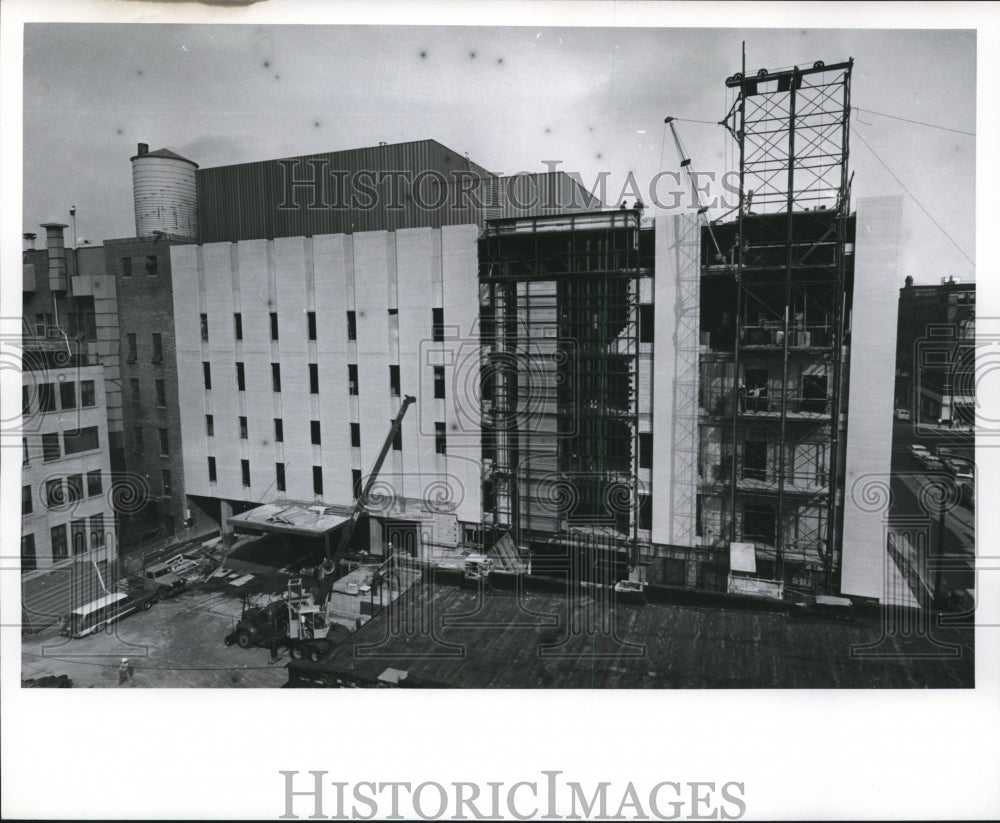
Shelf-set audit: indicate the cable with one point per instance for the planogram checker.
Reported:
(912, 196)
(915, 122)
(689, 120)
(663, 146)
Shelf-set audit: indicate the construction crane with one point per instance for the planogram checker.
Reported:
(330, 564)
(686, 165)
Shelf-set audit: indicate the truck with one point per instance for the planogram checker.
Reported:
(297, 621)
(294, 622)
(162, 577)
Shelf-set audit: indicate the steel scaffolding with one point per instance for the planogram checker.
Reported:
(776, 301)
(560, 339)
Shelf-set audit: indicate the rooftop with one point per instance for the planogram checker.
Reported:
(535, 639)
(289, 517)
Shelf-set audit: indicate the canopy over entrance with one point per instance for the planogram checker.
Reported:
(288, 517)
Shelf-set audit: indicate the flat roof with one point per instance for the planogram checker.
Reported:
(505, 638)
(306, 519)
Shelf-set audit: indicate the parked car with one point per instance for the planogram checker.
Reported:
(957, 467)
(902, 414)
(919, 452)
(932, 463)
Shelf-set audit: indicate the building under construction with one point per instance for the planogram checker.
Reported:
(668, 399)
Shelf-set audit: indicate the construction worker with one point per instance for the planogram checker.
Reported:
(125, 673)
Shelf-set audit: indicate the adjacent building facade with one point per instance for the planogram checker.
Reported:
(71, 409)
(935, 353)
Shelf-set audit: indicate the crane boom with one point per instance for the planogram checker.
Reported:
(359, 503)
(686, 165)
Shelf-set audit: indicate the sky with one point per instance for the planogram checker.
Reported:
(513, 98)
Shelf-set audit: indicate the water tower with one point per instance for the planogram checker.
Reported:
(166, 199)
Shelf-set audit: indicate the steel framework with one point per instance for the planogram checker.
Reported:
(787, 257)
(559, 317)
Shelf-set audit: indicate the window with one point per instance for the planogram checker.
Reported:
(241, 383)
(134, 392)
(356, 482)
(394, 381)
(439, 382)
(210, 425)
(50, 447)
(25, 400)
(311, 324)
(238, 325)
(138, 447)
(151, 266)
(313, 378)
(204, 328)
(78, 534)
(97, 537)
(279, 476)
(645, 450)
(274, 325)
(318, 480)
(352, 378)
(356, 435)
(243, 428)
(83, 440)
(245, 469)
(755, 390)
(126, 267)
(397, 440)
(46, 398)
(94, 485)
(130, 346)
(67, 395)
(161, 394)
(55, 496)
(74, 488)
(87, 397)
(352, 326)
(754, 460)
(440, 438)
(25, 460)
(211, 470)
(276, 377)
(314, 432)
(58, 537)
(437, 324)
(645, 511)
(645, 323)
(164, 443)
(759, 522)
(279, 430)
(26, 500)
(206, 369)
(165, 480)
(814, 393)
(157, 347)
(393, 312)
(28, 559)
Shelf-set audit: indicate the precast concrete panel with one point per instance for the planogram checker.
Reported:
(870, 409)
(418, 257)
(675, 379)
(460, 267)
(185, 265)
(371, 301)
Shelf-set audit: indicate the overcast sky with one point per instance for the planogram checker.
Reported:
(512, 98)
